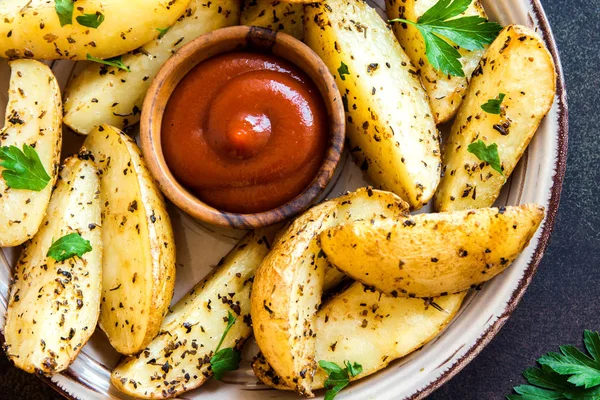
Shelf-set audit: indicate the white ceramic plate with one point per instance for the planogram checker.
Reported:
(537, 179)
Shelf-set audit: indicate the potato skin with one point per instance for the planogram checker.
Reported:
(429, 255)
(31, 29)
(33, 117)
(139, 257)
(362, 325)
(278, 15)
(518, 65)
(53, 306)
(390, 127)
(445, 92)
(190, 333)
(288, 285)
(107, 95)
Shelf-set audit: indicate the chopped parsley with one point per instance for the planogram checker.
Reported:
(227, 359)
(493, 105)
(23, 169)
(488, 154)
(337, 377)
(69, 246)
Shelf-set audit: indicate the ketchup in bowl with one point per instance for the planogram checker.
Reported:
(245, 132)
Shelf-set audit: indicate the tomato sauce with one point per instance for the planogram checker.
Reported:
(245, 132)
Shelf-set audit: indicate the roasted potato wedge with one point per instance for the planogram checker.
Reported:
(362, 325)
(54, 306)
(139, 256)
(390, 126)
(518, 65)
(289, 283)
(33, 117)
(191, 332)
(445, 91)
(32, 29)
(278, 15)
(107, 95)
(430, 255)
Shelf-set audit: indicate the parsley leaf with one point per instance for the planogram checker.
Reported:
(570, 374)
(69, 246)
(338, 378)
(91, 20)
(343, 70)
(493, 105)
(116, 62)
(64, 10)
(23, 169)
(163, 32)
(488, 154)
(438, 26)
(227, 359)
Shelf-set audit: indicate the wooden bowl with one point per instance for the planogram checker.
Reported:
(223, 41)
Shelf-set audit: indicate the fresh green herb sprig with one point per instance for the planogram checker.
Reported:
(64, 10)
(23, 169)
(570, 374)
(116, 62)
(488, 154)
(492, 106)
(226, 359)
(91, 20)
(439, 26)
(163, 32)
(343, 71)
(338, 377)
(69, 246)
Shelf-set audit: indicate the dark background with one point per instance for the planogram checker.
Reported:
(564, 296)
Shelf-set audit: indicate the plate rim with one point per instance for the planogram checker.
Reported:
(553, 206)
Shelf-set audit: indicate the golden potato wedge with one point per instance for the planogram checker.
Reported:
(429, 255)
(191, 332)
(278, 15)
(390, 126)
(33, 117)
(139, 256)
(54, 305)
(289, 283)
(518, 65)
(32, 29)
(364, 326)
(107, 95)
(445, 92)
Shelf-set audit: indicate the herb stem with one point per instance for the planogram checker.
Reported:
(402, 20)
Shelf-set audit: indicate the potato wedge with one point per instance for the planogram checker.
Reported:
(180, 354)
(278, 15)
(106, 95)
(33, 116)
(32, 29)
(518, 65)
(364, 326)
(139, 256)
(430, 255)
(54, 306)
(390, 126)
(445, 92)
(289, 283)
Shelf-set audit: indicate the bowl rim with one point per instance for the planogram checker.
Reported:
(201, 49)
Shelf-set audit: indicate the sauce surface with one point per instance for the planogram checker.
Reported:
(245, 132)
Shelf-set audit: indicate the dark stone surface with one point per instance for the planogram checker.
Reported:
(562, 301)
